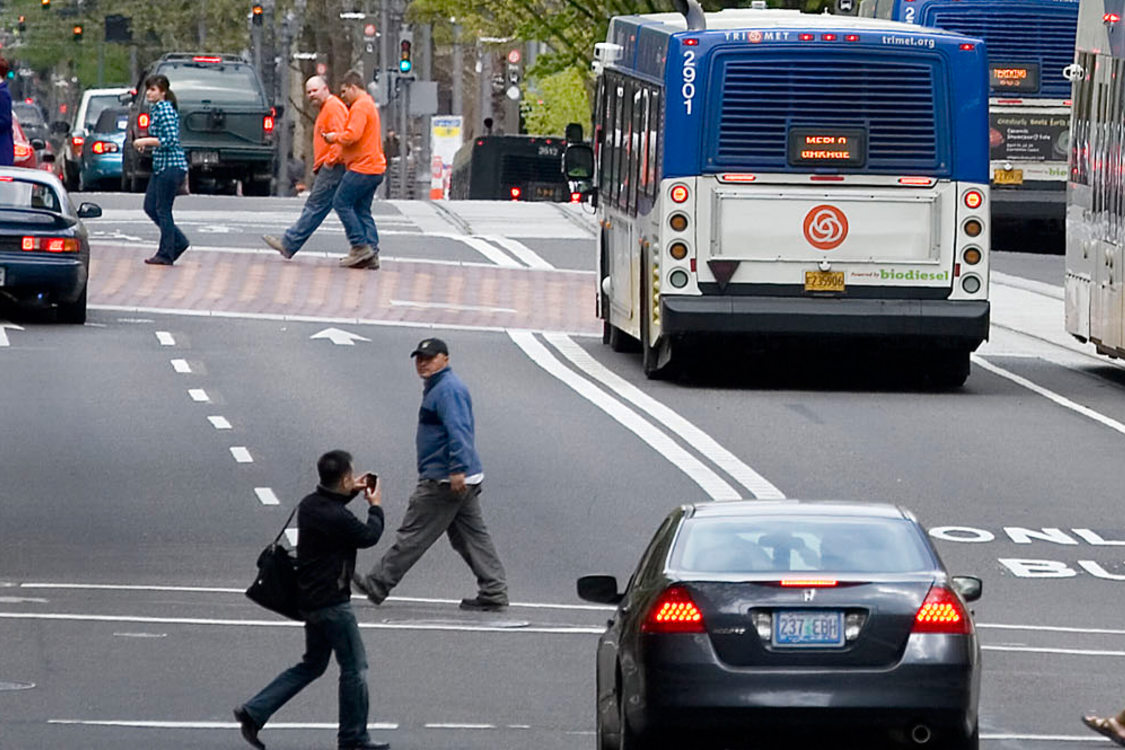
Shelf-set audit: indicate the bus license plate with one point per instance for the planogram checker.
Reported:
(808, 628)
(824, 281)
(1007, 176)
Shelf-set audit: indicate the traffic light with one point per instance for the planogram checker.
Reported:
(514, 58)
(46, 4)
(256, 14)
(405, 64)
(77, 33)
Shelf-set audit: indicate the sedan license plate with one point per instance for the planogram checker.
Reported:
(824, 281)
(204, 157)
(797, 628)
(1007, 176)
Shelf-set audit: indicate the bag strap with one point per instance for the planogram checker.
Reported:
(277, 538)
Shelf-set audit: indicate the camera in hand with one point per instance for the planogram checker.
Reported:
(371, 480)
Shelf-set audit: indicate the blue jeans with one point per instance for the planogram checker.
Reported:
(353, 206)
(161, 193)
(326, 630)
(317, 206)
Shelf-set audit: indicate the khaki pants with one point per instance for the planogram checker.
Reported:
(434, 510)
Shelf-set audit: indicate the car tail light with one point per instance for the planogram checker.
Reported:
(576, 197)
(76, 144)
(21, 152)
(808, 583)
(674, 612)
(942, 612)
(104, 147)
(515, 193)
(49, 244)
(268, 123)
(143, 120)
(206, 59)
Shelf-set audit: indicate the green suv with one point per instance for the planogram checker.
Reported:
(226, 124)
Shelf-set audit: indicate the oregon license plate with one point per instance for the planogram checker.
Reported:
(824, 281)
(204, 157)
(1007, 176)
(808, 628)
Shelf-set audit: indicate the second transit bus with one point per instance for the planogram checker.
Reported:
(1030, 43)
(767, 174)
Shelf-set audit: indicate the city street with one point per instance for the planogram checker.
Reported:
(149, 455)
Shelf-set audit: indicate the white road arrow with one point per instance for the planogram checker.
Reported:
(4, 334)
(338, 337)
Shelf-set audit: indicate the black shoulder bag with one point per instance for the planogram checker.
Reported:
(275, 586)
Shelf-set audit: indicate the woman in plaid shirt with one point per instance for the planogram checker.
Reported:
(169, 168)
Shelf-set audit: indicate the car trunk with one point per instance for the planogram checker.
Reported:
(886, 608)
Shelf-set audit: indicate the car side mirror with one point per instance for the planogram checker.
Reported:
(599, 589)
(38, 144)
(126, 97)
(89, 211)
(60, 127)
(578, 161)
(969, 587)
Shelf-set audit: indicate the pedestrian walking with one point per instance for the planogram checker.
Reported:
(169, 168)
(447, 498)
(362, 142)
(7, 138)
(1112, 727)
(328, 168)
(328, 536)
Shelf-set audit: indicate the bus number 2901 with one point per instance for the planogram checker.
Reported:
(688, 90)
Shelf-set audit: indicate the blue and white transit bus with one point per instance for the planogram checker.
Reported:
(1029, 42)
(1094, 289)
(766, 174)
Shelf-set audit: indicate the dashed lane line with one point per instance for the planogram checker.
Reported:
(703, 443)
(665, 446)
(266, 496)
(219, 423)
(165, 338)
(199, 395)
(241, 454)
(181, 366)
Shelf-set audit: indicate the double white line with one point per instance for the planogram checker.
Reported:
(614, 396)
(518, 255)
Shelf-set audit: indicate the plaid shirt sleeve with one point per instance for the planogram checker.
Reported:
(165, 126)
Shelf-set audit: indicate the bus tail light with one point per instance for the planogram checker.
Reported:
(916, 181)
(678, 222)
(828, 37)
(972, 255)
(971, 284)
(674, 611)
(974, 199)
(678, 250)
(851, 38)
(680, 193)
(807, 37)
(973, 227)
(678, 278)
(49, 244)
(967, 47)
(942, 611)
(737, 177)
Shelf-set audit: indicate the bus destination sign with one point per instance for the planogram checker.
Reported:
(1007, 78)
(828, 147)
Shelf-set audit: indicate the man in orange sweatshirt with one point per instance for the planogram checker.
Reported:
(328, 166)
(362, 142)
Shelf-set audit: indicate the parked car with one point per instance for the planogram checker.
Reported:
(92, 103)
(101, 154)
(44, 248)
(226, 124)
(753, 618)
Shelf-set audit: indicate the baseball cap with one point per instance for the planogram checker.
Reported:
(430, 347)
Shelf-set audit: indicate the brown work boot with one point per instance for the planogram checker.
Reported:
(358, 257)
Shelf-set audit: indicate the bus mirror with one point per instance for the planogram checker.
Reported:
(578, 162)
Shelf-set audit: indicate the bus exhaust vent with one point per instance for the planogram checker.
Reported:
(1038, 34)
(893, 100)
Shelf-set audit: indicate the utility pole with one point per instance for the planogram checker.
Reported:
(281, 181)
(458, 70)
(484, 65)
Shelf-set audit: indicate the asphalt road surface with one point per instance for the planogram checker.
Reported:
(149, 455)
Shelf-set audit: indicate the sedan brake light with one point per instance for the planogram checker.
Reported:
(143, 120)
(50, 244)
(674, 612)
(942, 612)
(104, 147)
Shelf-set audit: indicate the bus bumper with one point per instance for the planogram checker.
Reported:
(1019, 203)
(961, 322)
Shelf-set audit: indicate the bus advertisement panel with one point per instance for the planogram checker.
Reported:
(767, 174)
(1029, 43)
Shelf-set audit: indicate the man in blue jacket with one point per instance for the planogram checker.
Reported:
(327, 537)
(447, 498)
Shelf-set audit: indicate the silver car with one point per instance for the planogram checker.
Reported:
(755, 619)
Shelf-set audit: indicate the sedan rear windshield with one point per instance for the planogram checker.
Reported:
(22, 195)
(799, 545)
(29, 114)
(219, 84)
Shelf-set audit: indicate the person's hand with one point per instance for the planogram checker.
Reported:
(328, 137)
(457, 483)
(373, 495)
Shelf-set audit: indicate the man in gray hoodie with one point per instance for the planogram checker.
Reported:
(447, 498)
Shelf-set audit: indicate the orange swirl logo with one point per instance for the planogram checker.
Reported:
(826, 227)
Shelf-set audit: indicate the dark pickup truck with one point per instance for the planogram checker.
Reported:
(226, 124)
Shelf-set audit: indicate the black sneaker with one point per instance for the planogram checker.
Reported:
(370, 745)
(477, 604)
(249, 728)
(367, 587)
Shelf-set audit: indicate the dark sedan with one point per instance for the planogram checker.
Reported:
(44, 249)
(752, 619)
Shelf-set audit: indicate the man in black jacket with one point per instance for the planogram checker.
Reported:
(327, 537)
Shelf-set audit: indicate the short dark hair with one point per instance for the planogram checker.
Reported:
(352, 78)
(332, 467)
